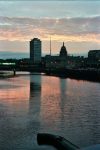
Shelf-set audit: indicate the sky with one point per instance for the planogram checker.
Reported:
(77, 23)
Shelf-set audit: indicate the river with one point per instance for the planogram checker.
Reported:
(30, 104)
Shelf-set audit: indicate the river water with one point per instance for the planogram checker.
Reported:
(30, 104)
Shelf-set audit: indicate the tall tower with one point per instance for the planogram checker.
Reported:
(35, 50)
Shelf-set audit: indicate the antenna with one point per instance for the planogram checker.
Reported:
(50, 45)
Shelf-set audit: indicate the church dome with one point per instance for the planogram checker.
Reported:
(63, 51)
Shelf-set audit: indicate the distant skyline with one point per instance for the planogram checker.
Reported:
(77, 23)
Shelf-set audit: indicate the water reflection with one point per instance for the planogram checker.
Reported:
(13, 112)
(35, 102)
(50, 108)
(35, 120)
(35, 93)
(80, 112)
(63, 99)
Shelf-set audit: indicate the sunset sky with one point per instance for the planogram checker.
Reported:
(77, 23)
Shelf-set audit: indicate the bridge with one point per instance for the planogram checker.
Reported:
(84, 74)
(13, 67)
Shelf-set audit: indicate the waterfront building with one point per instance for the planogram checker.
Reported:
(63, 60)
(75, 62)
(94, 54)
(63, 56)
(93, 60)
(35, 51)
(63, 51)
(59, 61)
(52, 61)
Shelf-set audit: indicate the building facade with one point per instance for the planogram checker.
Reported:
(94, 54)
(35, 51)
(59, 61)
(63, 51)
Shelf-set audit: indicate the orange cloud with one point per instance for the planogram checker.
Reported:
(45, 35)
(67, 29)
(77, 38)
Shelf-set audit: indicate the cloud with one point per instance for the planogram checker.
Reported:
(68, 29)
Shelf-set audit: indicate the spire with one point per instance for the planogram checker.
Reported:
(50, 45)
(63, 43)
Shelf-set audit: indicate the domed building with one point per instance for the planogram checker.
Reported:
(63, 51)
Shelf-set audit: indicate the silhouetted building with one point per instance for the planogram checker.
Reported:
(52, 61)
(75, 61)
(63, 60)
(63, 51)
(59, 61)
(94, 54)
(93, 59)
(35, 50)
